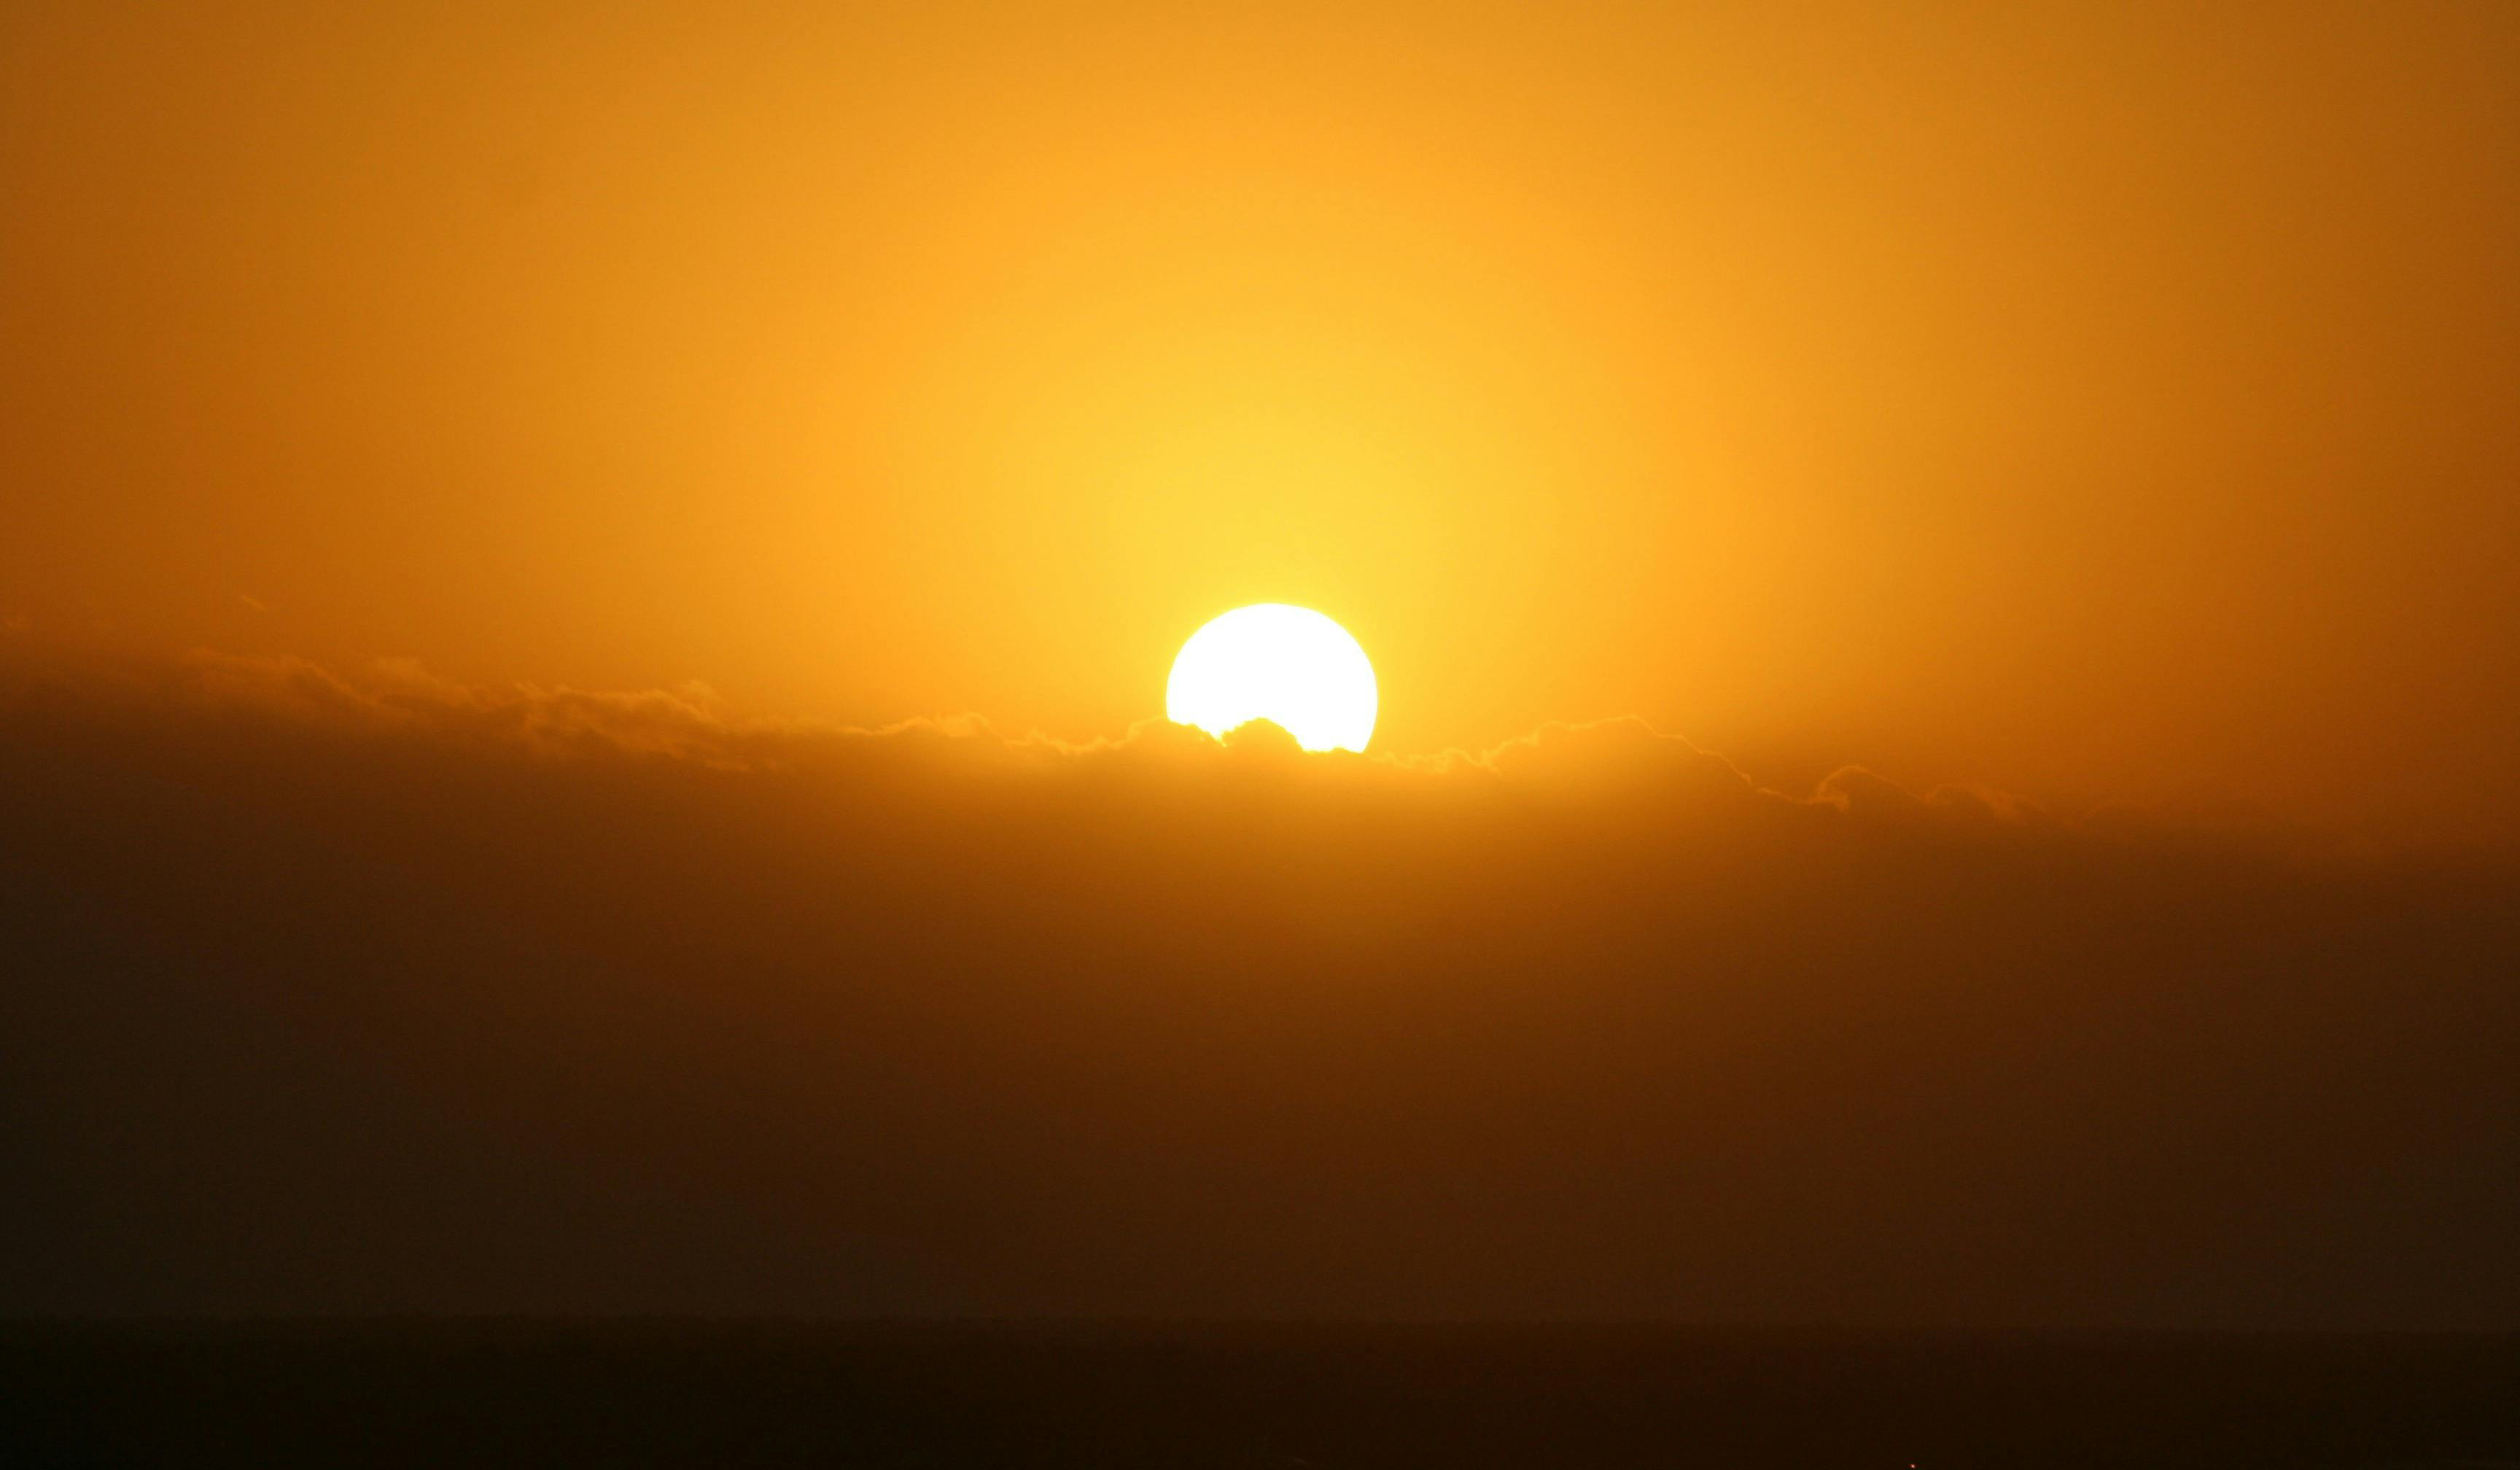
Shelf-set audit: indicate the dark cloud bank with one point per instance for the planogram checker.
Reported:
(381, 993)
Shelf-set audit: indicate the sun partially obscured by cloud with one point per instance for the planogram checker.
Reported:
(372, 990)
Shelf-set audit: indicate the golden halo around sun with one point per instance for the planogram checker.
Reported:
(1271, 662)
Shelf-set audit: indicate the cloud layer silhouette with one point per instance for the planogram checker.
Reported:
(377, 991)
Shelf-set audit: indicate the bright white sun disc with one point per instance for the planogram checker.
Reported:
(1271, 662)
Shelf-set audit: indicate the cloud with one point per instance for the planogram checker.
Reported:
(367, 990)
(1620, 759)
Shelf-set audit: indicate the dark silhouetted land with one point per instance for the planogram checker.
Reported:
(667, 1392)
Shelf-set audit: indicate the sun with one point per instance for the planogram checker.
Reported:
(1270, 661)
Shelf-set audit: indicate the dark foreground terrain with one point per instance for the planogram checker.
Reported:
(655, 1393)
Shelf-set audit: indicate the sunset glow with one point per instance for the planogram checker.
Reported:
(688, 665)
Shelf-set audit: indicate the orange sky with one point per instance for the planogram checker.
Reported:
(2116, 402)
(2038, 473)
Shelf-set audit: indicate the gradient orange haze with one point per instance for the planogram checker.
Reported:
(2096, 401)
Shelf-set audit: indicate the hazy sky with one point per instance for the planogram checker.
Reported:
(2099, 402)
(584, 592)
